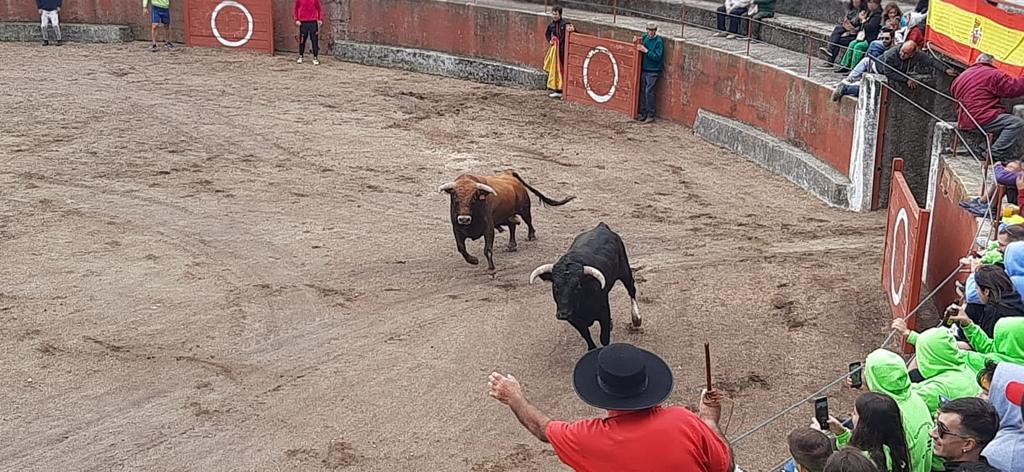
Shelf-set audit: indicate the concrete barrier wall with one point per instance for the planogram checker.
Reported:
(773, 100)
(129, 12)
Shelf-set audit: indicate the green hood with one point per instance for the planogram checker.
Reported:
(1008, 339)
(937, 353)
(886, 373)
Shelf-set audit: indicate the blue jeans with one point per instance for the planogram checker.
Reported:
(735, 19)
(647, 82)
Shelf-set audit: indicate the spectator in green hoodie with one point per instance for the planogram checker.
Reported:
(878, 431)
(885, 372)
(942, 366)
(1006, 344)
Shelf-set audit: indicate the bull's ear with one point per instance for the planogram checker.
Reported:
(481, 195)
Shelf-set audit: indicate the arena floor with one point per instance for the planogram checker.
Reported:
(217, 261)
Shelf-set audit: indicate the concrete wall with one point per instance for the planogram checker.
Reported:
(696, 77)
(129, 12)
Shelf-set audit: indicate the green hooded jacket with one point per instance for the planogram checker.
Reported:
(1008, 344)
(885, 372)
(944, 368)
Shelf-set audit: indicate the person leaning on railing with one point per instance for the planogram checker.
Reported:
(900, 63)
(980, 90)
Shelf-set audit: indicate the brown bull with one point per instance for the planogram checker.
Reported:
(482, 204)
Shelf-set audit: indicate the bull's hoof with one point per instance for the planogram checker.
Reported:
(634, 328)
(512, 248)
(472, 260)
(531, 237)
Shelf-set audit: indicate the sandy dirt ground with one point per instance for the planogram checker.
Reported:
(216, 261)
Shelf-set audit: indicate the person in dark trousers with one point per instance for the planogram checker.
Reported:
(309, 16)
(48, 10)
(556, 31)
(762, 10)
(981, 89)
(653, 48)
(963, 428)
(844, 33)
(735, 12)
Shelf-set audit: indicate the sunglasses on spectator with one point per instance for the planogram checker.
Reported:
(944, 431)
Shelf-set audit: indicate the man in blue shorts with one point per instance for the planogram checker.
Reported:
(161, 15)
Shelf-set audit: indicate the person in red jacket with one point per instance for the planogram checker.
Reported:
(979, 89)
(309, 15)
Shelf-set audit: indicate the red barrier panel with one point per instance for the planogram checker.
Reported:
(602, 72)
(905, 235)
(241, 24)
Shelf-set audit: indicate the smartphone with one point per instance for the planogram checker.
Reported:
(821, 412)
(855, 377)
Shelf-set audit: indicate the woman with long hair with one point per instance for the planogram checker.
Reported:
(877, 430)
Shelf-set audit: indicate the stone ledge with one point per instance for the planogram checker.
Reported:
(797, 166)
(438, 63)
(71, 32)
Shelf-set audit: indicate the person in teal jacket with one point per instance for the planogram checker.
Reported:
(942, 365)
(1006, 343)
(161, 15)
(886, 373)
(653, 49)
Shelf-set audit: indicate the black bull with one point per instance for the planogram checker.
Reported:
(582, 278)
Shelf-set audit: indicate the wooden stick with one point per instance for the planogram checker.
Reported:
(707, 363)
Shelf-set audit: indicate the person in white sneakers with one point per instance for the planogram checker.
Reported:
(48, 12)
(308, 15)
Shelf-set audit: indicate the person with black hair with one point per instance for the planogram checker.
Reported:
(810, 449)
(556, 36)
(962, 430)
(850, 459)
(998, 296)
(985, 378)
(877, 430)
(845, 32)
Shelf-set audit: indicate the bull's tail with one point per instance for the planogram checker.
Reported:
(544, 199)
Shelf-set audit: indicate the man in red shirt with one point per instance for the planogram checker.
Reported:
(309, 16)
(979, 89)
(638, 434)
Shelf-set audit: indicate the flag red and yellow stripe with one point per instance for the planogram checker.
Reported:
(963, 29)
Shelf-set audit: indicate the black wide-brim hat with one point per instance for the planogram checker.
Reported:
(621, 376)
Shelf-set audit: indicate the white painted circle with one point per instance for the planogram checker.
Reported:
(586, 74)
(216, 33)
(902, 222)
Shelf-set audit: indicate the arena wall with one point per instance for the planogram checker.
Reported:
(129, 12)
(773, 100)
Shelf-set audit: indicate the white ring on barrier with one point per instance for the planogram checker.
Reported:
(902, 221)
(216, 33)
(586, 74)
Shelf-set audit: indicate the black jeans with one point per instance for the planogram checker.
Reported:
(736, 19)
(647, 81)
(838, 42)
(309, 29)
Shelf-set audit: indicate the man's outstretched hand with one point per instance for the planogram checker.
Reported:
(504, 389)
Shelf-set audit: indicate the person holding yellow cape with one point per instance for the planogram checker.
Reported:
(556, 35)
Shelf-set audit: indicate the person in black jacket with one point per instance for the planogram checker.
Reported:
(557, 30)
(963, 428)
(845, 32)
(1000, 299)
(48, 12)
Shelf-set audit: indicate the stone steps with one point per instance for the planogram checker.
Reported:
(70, 32)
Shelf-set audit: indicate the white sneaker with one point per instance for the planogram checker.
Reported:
(731, 36)
(316, 61)
(555, 95)
(299, 60)
(720, 34)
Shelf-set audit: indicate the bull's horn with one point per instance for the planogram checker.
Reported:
(544, 269)
(446, 187)
(485, 188)
(587, 270)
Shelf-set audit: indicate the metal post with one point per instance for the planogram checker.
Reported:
(750, 26)
(809, 50)
(545, 6)
(615, 10)
(682, 21)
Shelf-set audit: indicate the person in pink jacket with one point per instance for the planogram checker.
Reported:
(308, 15)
